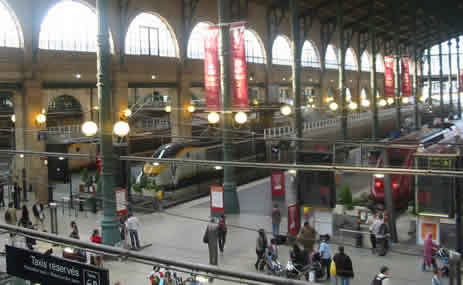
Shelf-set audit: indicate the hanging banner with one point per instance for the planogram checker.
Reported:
(278, 183)
(217, 199)
(389, 77)
(293, 219)
(461, 80)
(406, 82)
(239, 67)
(212, 70)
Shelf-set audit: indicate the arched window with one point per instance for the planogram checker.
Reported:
(64, 110)
(365, 61)
(254, 48)
(379, 63)
(196, 41)
(348, 95)
(331, 60)
(310, 55)
(351, 62)
(69, 26)
(10, 33)
(148, 34)
(281, 51)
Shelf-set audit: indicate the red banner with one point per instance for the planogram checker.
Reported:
(278, 183)
(212, 70)
(293, 219)
(406, 82)
(389, 76)
(217, 199)
(461, 80)
(239, 67)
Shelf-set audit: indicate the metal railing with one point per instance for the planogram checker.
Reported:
(327, 123)
(68, 131)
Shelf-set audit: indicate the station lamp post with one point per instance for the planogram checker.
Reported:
(109, 223)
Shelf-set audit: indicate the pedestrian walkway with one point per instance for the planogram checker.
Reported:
(177, 234)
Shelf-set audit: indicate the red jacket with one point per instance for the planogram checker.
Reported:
(95, 239)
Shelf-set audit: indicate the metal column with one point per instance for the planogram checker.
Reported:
(110, 223)
(373, 87)
(441, 86)
(429, 78)
(450, 75)
(296, 70)
(341, 68)
(231, 202)
(458, 79)
(388, 198)
(412, 10)
(397, 59)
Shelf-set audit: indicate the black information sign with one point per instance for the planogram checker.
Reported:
(50, 270)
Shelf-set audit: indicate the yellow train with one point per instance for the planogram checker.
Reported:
(166, 174)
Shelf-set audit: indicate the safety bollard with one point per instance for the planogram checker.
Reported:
(358, 236)
(54, 218)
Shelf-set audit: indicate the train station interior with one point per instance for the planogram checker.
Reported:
(122, 91)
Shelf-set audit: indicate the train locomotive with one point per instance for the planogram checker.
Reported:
(166, 174)
(429, 140)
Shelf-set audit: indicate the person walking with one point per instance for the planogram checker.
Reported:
(10, 215)
(25, 222)
(429, 250)
(436, 280)
(96, 259)
(325, 255)
(222, 232)
(39, 215)
(74, 231)
(307, 238)
(382, 278)
(344, 270)
(132, 225)
(261, 246)
(276, 220)
(2, 195)
(16, 195)
(123, 231)
(381, 235)
(210, 237)
(374, 226)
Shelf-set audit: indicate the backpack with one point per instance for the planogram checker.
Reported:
(222, 226)
(7, 216)
(378, 280)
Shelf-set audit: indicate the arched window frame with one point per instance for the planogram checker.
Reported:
(255, 51)
(195, 48)
(331, 58)
(351, 60)
(310, 56)
(365, 62)
(11, 35)
(52, 39)
(154, 38)
(379, 63)
(281, 45)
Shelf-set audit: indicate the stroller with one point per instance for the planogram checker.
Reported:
(316, 266)
(443, 256)
(272, 265)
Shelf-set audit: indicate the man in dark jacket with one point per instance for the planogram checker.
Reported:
(211, 238)
(344, 270)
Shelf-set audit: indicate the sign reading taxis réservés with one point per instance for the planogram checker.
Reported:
(50, 270)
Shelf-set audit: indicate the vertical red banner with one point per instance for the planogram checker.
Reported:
(278, 183)
(389, 76)
(461, 80)
(121, 201)
(212, 69)
(293, 219)
(406, 82)
(239, 67)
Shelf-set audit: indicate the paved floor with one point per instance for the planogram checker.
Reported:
(177, 234)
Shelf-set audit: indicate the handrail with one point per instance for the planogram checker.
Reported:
(326, 123)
